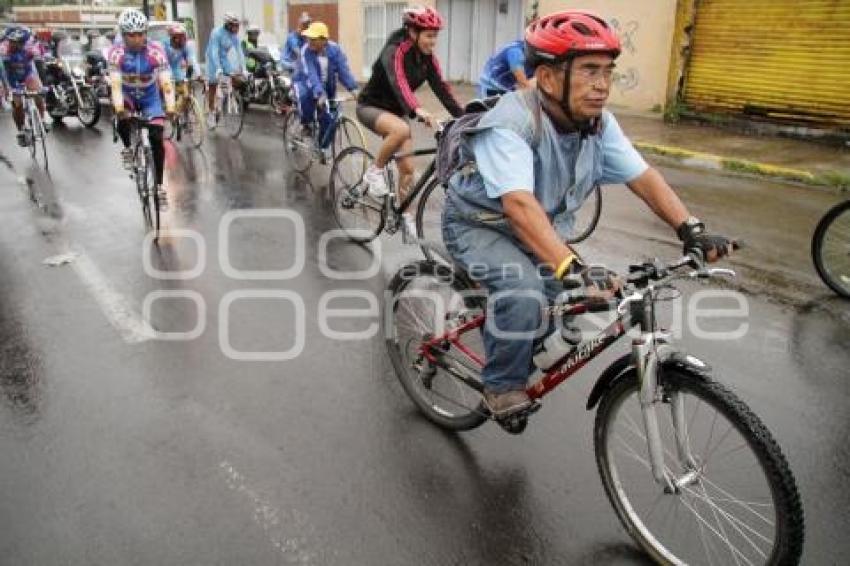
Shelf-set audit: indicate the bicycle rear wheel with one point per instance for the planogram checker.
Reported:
(426, 296)
(233, 110)
(348, 134)
(831, 248)
(735, 500)
(299, 148)
(587, 217)
(361, 217)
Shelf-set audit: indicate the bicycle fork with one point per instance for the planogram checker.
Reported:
(649, 352)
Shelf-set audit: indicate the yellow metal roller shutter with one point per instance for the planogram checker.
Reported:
(786, 60)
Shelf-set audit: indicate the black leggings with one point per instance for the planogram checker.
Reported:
(157, 147)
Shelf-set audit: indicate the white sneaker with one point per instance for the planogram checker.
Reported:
(376, 184)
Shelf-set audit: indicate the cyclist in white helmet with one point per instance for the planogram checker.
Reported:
(141, 78)
(222, 41)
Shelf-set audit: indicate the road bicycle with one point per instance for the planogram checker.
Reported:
(189, 118)
(691, 472)
(363, 218)
(229, 106)
(831, 248)
(35, 134)
(142, 170)
(302, 148)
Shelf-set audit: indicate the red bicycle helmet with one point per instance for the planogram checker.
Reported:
(563, 35)
(422, 17)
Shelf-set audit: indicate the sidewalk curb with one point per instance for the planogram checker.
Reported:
(700, 160)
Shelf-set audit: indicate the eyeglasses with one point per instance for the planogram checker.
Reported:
(592, 73)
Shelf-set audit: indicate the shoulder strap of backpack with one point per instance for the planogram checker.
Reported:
(532, 102)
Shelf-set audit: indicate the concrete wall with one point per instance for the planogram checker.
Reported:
(646, 30)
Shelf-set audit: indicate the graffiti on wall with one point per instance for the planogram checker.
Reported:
(626, 78)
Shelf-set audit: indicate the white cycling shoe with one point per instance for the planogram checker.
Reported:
(376, 184)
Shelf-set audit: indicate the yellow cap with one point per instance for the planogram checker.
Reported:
(316, 30)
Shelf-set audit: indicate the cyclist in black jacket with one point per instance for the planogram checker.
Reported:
(387, 101)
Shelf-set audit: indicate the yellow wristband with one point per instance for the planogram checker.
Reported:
(565, 265)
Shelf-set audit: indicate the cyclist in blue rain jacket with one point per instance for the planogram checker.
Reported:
(321, 63)
(294, 42)
(505, 71)
(181, 58)
(223, 41)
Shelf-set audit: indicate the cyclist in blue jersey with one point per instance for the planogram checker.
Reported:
(181, 57)
(18, 52)
(141, 78)
(505, 71)
(321, 63)
(223, 41)
(291, 48)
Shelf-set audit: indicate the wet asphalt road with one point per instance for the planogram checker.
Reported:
(117, 449)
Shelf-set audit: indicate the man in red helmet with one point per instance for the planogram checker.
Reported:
(506, 219)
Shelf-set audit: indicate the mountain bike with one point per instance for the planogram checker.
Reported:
(831, 248)
(302, 148)
(35, 134)
(143, 172)
(189, 118)
(691, 472)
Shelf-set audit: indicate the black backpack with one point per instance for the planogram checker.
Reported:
(452, 153)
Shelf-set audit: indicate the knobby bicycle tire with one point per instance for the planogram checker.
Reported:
(822, 264)
(777, 473)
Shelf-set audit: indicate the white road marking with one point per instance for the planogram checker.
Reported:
(115, 306)
(268, 517)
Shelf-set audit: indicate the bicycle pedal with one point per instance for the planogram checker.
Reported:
(517, 422)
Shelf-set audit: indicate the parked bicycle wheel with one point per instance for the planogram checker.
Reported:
(734, 499)
(425, 297)
(359, 215)
(587, 217)
(831, 248)
(348, 134)
(299, 147)
(233, 113)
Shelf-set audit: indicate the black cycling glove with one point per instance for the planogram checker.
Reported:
(693, 236)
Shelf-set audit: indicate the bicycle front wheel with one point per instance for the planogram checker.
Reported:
(195, 124)
(348, 134)
(299, 147)
(360, 216)
(233, 110)
(429, 216)
(831, 249)
(587, 217)
(426, 296)
(145, 177)
(735, 500)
